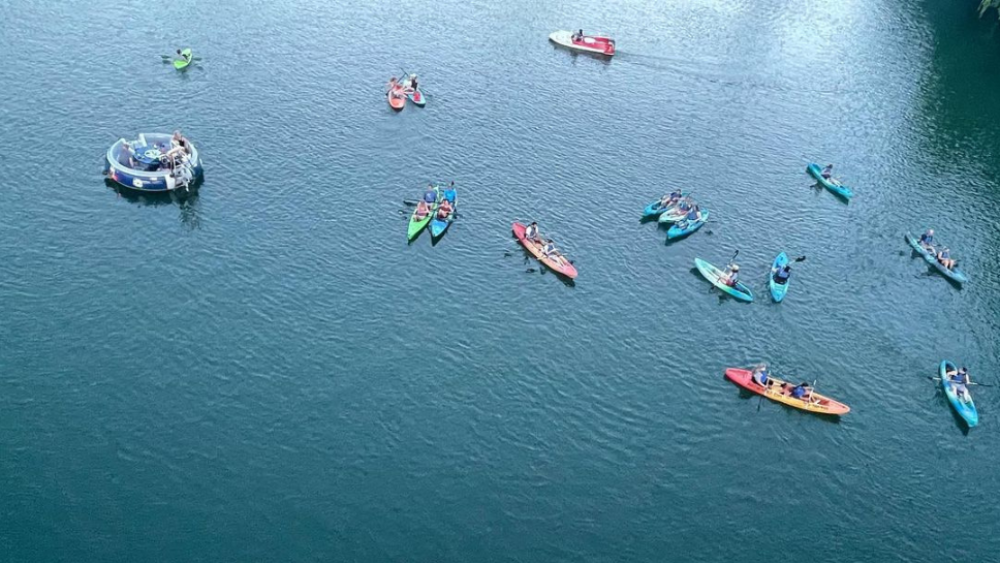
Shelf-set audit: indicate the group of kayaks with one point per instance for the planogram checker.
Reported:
(807, 399)
(437, 208)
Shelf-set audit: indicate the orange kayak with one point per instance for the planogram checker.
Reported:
(396, 97)
(815, 403)
(562, 266)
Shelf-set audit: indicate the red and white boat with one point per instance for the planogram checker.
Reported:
(599, 44)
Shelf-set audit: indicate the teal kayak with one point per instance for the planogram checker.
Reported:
(714, 275)
(954, 274)
(438, 225)
(654, 209)
(778, 290)
(684, 227)
(832, 185)
(962, 405)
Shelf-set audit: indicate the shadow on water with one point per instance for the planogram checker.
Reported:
(957, 418)
(186, 201)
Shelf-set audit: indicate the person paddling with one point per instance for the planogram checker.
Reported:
(450, 194)
(959, 380)
(430, 196)
(782, 274)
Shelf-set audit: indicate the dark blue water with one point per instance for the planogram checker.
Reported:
(268, 372)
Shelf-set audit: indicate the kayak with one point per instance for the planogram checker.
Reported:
(839, 189)
(396, 97)
(966, 410)
(676, 231)
(713, 274)
(185, 61)
(415, 95)
(817, 403)
(954, 274)
(778, 290)
(564, 267)
(439, 226)
(588, 43)
(654, 209)
(417, 224)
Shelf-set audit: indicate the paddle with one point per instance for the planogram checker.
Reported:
(931, 377)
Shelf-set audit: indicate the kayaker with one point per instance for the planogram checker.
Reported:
(927, 239)
(731, 276)
(430, 196)
(183, 56)
(444, 210)
(552, 253)
(760, 375)
(413, 82)
(422, 210)
(450, 194)
(782, 274)
(531, 233)
(944, 257)
(827, 172)
(801, 391)
(959, 379)
(685, 204)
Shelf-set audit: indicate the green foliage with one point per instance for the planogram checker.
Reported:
(985, 5)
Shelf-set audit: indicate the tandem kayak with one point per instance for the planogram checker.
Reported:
(965, 409)
(183, 62)
(834, 186)
(714, 275)
(954, 274)
(816, 403)
(562, 267)
(438, 225)
(778, 289)
(598, 44)
(417, 223)
(677, 231)
(672, 214)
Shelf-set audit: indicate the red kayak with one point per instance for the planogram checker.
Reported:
(590, 43)
(558, 264)
(814, 402)
(397, 98)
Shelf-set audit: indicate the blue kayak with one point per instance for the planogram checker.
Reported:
(965, 408)
(714, 275)
(684, 227)
(954, 274)
(778, 290)
(831, 184)
(654, 209)
(439, 226)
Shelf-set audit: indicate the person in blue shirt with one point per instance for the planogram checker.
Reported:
(694, 215)
(450, 194)
(959, 380)
(827, 172)
(944, 257)
(670, 199)
(782, 274)
(802, 391)
(927, 239)
(430, 196)
(760, 376)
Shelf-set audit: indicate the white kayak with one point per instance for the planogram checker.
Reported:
(590, 43)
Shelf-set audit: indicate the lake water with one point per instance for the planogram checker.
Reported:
(268, 372)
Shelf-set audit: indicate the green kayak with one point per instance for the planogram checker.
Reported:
(418, 222)
(184, 61)
(714, 275)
